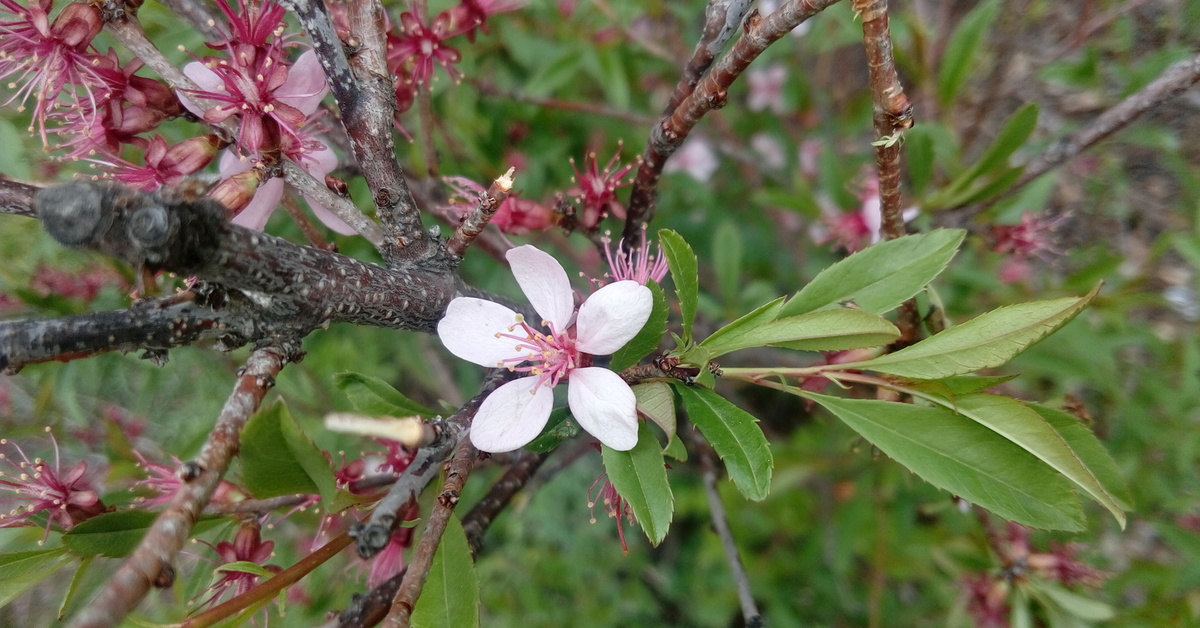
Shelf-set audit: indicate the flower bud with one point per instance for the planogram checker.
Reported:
(190, 155)
(77, 25)
(236, 191)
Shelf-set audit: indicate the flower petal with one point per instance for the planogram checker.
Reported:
(266, 199)
(470, 327)
(604, 405)
(612, 316)
(544, 283)
(513, 415)
(305, 85)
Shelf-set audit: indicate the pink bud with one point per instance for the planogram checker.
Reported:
(236, 191)
(77, 25)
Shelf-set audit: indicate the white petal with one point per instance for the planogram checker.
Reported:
(305, 85)
(469, 331)
(512, 416)
(544, 283)
(612, 316)
(604, 405)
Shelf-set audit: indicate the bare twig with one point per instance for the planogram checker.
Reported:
(422, 560)
(270, 587)
(368, 105)
(498, 497)
(150, 564)
(710, 93)
(257, 506)
(17, 198)
(341, 207)
(474, 223)
(720, 521)
(893, 112)
(721, 20)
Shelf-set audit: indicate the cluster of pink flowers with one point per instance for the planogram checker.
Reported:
(1031, 239)
(38, 486)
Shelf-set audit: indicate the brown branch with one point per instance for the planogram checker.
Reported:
(893, 112)
(306, 184)
(270, 587)
(257, 506)
(150, 564)
(484, 512)
(710, 93)
(721, 20)
(17, 198)
(362, 87)
(422, 560)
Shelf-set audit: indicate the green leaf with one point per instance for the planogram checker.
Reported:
(959, 455)
(1025, 427)
(244, 566)
(640, 478)
(555, 73)
(657, 402)
(1090, 451)
(676, 450)
(986, 341)
(375, 397)
(279, 459)
(685, 275)
(21, 570)
(558, 428)
(879, 277)
(951, 387)
(727, 262)
(734, 435)
(450, 598)
(823, 330)
(1017, 129)
(1069, 602)
(647, 340)
(73, 588)
(959, 58)
(919, 149)
(116, 534)
(761, 315)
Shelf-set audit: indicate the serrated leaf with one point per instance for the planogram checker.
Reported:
(279, 459)
(73, 588)
(986, 341)
(647, 340)
(559, 427)
(450, 597)
(676, 450)
(657, 402)
(1025, 427)
(879, 277)
(1089, 449)
(640, 478)
(823, 330)
(951, 387)
(21, 570)
(685, 275)
(962, 49)
(116, 534)
(734, 434)
(761, 315)
(375, 397)
(959, 455)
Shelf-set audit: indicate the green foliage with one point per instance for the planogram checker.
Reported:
(640, 478)
(656, 401)
(963, 50)
(21, 570)
(450, 597)
(375, 397)
(116, 534)
(684, 274)
(279, 459)
(734, 434)
(825, 330)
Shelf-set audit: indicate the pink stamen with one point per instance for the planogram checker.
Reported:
(551, 357)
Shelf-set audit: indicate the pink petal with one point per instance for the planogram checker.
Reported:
(205, 79)
(604, 405)
(513, 415)
(545, 283)
(612, 316)
(256, 214)
(320, 163)
(470, 327)
(305, 86)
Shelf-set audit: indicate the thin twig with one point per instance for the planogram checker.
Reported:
(150, 564)
(270, 587)
(341, 207)
(311, 233)
(721, 20)
(485, 510)
(473, 224)
(710, 93)
(17, 198)
(422, 560)
(257, 506)
(893, 112)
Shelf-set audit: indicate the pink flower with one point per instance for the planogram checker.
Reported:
(68, 497)
(615, 505)
(696, 158)
(637, 265)
(46, 56)
(766, 89)
(856, 230)
(249, 547)
(596, 190)
(166, 165)
(1033, 238)
(469, 15)
(255, 215)
(490, 334)
(420, 46)
(515, 215)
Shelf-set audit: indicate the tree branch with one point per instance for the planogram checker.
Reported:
(150, 564)
(484, 512)
(710, 93)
